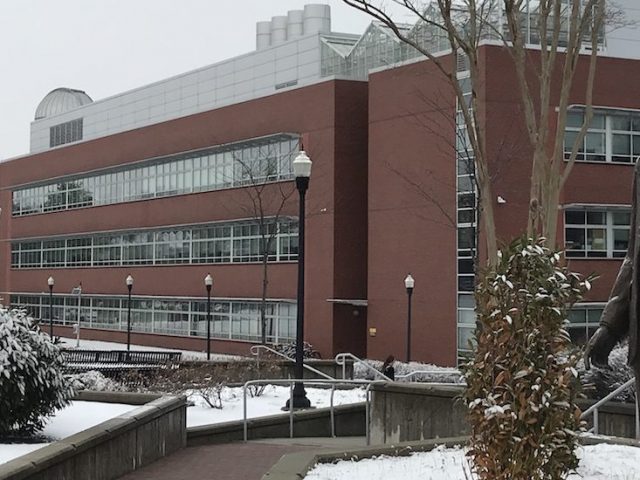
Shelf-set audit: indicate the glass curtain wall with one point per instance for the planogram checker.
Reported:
(231, 320)
(256, 161)
(231, 242)
(466, 222)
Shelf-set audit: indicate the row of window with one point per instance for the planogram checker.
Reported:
(251, 162)
(231, 242)
(613, 137)
(237, 319)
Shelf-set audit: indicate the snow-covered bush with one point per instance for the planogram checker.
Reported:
(599, 382)
(95, 381)
(32, 385)
(425, 372)
(289, 349)
(522, 381)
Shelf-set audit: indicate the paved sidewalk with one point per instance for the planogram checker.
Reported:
(233, 461)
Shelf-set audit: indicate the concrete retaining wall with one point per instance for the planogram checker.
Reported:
(414, 412)
(349, 421)
(112, 448)
(411, 412)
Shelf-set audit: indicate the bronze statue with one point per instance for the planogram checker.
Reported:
(620, 316)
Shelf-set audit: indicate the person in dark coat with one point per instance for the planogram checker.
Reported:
(387, 368)
(619, 319)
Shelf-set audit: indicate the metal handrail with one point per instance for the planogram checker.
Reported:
(594, 409)
(431, 372)
(255, 350)
(341, 359)
(291, 382)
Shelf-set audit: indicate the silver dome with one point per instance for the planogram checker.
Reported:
(61, 100)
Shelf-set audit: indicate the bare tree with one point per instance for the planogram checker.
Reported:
(564, 31)
(267, 201)
(568, 33)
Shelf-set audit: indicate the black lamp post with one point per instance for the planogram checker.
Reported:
(208, 283)
(302, 172)
(409, 283)
(129, 282)
(51, 282)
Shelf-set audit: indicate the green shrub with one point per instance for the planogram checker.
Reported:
(522, 381)
(32, 385)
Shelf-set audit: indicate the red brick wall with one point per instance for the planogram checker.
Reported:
(412, 213)
(332, 118)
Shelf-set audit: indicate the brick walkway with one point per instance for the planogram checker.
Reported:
(229, 461)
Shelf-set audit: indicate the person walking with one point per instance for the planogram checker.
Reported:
(387, 368)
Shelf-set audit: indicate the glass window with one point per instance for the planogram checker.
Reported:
(614, 130)
(596, 233)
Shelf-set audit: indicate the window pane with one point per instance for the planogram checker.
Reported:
(597, 122)
(466, 237)
(621, 145)
(465, 338)
(636, 145)
(594, 144)
(621, 218)
(466, 216)
(575, 217)
(596, 239)
(596, 218)
(467, 316)
(465, 266)
(577, 315)
(575, 238)
(466, 301)
(621, 122)
(621, 239)
(569, 140)
(575, 119)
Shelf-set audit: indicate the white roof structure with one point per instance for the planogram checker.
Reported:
(61, 100)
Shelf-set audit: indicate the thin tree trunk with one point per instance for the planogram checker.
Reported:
(263, 300)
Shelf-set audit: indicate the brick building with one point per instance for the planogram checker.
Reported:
(158, 183)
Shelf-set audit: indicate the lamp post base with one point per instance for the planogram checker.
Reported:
(299, 400)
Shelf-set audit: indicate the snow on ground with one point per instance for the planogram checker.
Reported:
(13, 450)
(269, 403)
(597, 462)
(82, 415)
(186, 354)
(76, 417)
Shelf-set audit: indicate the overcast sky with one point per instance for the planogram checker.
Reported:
(109, 46)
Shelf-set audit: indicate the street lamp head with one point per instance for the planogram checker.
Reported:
(129, 281)
(409, 282)
(302, 165)
(50, 281)
(208, 281)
